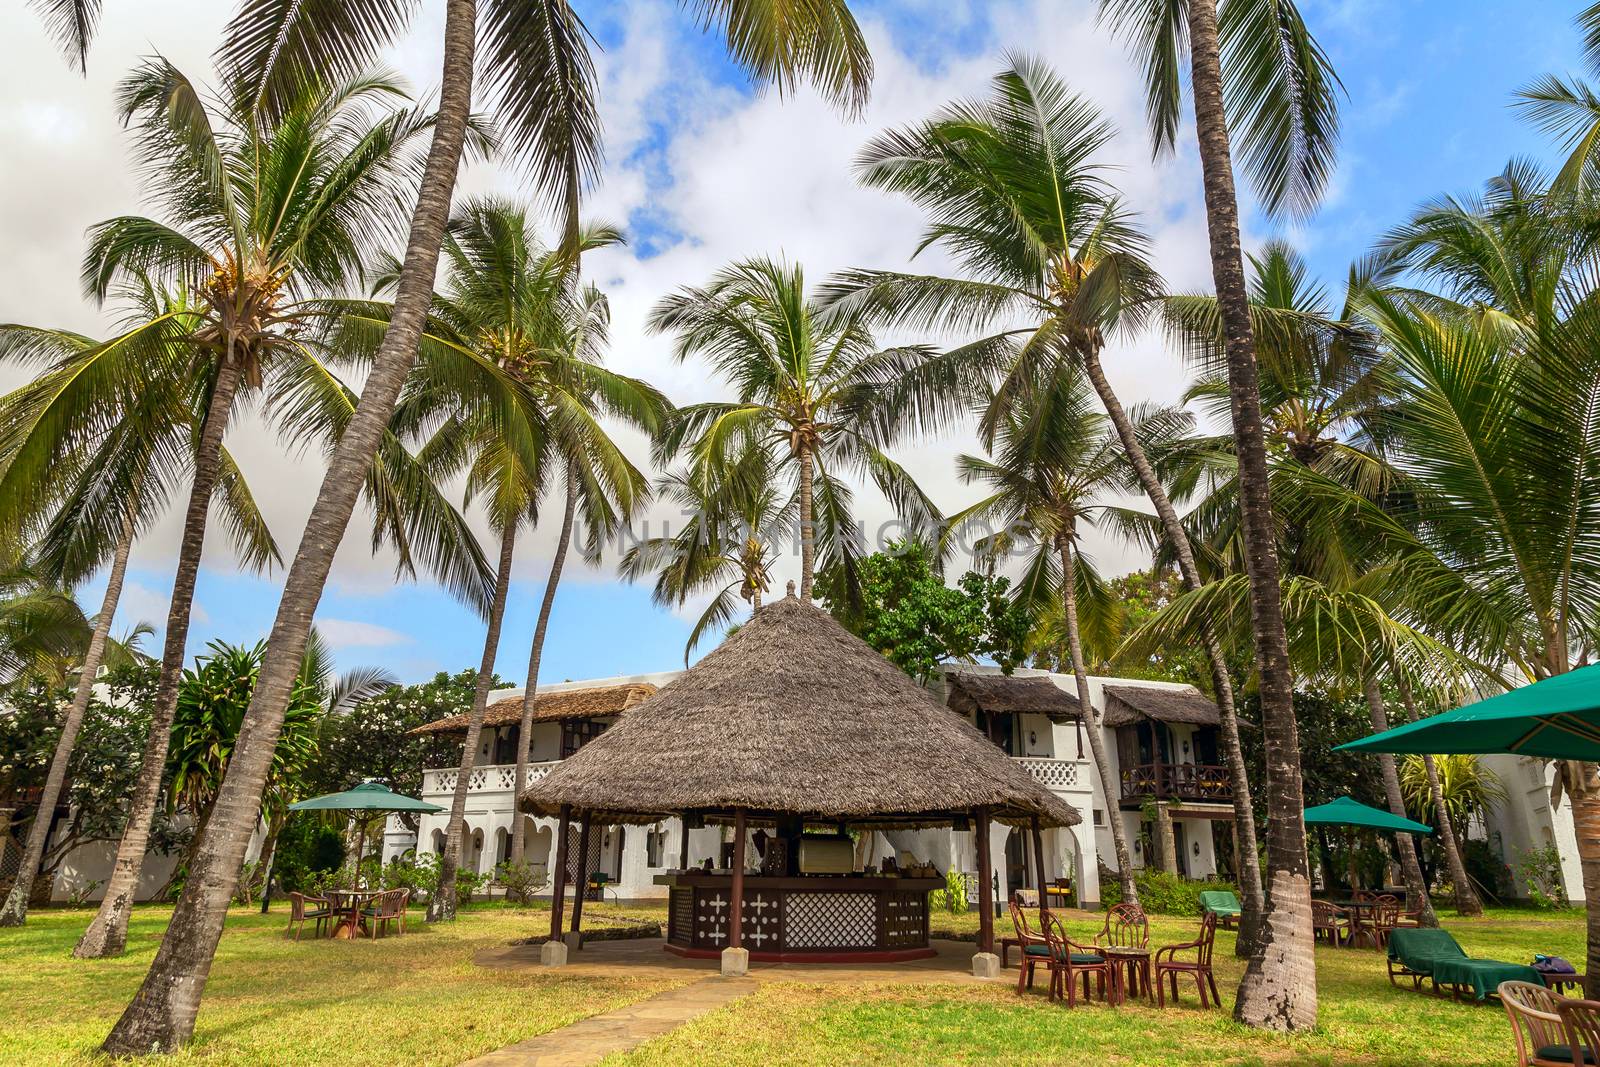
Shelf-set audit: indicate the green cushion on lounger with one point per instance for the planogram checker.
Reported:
(1416, 948)
(1220, 902)
(1484, 976)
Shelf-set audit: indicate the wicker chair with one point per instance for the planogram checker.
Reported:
(1543, 1037)
(319, 913)
(1070, 961)
(1385, 916)
(1330, 921)
(1034, 949)
(1125, 926)
(1582, 1019)
(1169, 966)
(389, 908)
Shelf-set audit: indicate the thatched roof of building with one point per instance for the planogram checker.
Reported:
(1000, 694)
(794, 715)
(585, 703)
(1127, 704)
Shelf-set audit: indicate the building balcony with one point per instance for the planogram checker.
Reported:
(1176, 781)
(489, 778)
(1057, 774)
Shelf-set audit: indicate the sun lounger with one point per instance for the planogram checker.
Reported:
(1419, 953)
(1224, 905)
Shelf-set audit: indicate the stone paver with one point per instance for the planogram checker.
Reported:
(590, 1040)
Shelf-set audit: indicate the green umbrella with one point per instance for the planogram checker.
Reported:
(1347, 811)
(1557, 718)
(368, 796)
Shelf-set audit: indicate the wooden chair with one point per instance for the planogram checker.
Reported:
(1542, 1036)
(319, 913)
(1070, 961)
(1034, 949)
(1330, 921)
(1385, 917)
(1582, 1021)
(389, 908)
(1168, 965)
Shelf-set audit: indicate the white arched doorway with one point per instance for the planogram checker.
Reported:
(502, 846)
(438, 842)
(536, 844)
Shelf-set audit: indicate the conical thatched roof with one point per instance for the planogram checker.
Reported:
(793, 714)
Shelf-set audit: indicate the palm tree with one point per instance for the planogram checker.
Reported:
(1054, 459)
(1468, 789)
(1256, 74)
(725, 548)
(539, 84)
(89, 453)
(1048, 253)
(258, 218)
(1569, 110)
(512, 359)
(810, 383)
(72, 23)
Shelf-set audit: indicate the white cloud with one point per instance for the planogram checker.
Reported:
(352, 633)
(723, 173)
(140, 603)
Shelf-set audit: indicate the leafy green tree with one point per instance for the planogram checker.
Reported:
(1569, 110)
(908, 613)
(809, 380)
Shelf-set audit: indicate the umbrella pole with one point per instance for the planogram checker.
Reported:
(361, 845)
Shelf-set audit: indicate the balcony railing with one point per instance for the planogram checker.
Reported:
(490, 778)
(1054, 773)
(1177, 781)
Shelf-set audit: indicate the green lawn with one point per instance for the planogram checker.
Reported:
(400, 1000)
(1363, 1019)
(419, 999)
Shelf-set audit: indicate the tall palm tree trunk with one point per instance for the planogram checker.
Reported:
(1244, 819)
(107, 934)
(161, 1016)
(808, 522)
(15, 912)
(1097, 746)
(1583, 791)
(1466, 897)
(1405, 844)
(530, 691)
(1279, 989)
(442, 904)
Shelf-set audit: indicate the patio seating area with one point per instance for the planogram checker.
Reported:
(345, 914)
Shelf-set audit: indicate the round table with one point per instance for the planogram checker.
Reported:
(1130, 971)
(347, 905)
(1361, 924)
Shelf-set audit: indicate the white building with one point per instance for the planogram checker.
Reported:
(1169, 787)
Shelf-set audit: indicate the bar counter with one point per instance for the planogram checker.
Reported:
(804, 918)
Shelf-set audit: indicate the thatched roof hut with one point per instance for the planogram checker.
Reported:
(1127, 704)
(794, 715)
(553, 706)
(999, 694)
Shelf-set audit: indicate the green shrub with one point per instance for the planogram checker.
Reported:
(1161, 893)
(953, 897)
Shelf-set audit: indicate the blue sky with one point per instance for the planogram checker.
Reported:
(703, 171)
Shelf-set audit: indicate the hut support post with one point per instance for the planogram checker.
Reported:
(683, 842)
(1038, 868)
(553, 953)
(735, 958)
(985, 964)
(582, 886)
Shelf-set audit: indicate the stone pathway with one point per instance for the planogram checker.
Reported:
(590, 1040)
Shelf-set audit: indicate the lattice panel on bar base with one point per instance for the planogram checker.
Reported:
(905, 915)
(831, 920)
(762, 926)
(680, 923)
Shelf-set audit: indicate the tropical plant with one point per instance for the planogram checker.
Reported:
(539, 84)
(258, 219)
(512, 362)
(1258, 77)
(1053, 461)
(1470, 790)
(1051, 258)
(1569, 110)
(734, 515)
(809, 380)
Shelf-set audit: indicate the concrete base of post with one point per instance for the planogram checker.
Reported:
(986, 965)
(553, 954)
(735, 962)
(574, 940)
